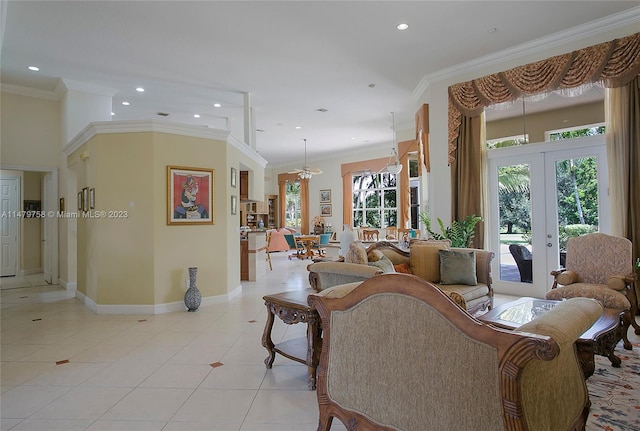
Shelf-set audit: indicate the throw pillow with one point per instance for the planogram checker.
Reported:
(458, 267)
(384, 264)
(425, 261)
(356, 253)
(403, 268)
(375, 255)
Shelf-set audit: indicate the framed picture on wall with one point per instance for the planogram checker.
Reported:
(325, 210)
(85, 199)
(325, 196)
(80, 207)
(189, 195)
(234, 205)
(234, 177)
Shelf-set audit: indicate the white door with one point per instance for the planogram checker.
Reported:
(9, 224)
(551, 191)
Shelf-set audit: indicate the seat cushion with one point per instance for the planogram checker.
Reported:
(609, 298)
(469, 293)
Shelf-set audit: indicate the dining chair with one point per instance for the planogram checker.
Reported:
(267, 250)
(324, 240)
(370, 234)
(294, 245)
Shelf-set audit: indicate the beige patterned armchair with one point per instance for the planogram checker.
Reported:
(599, 266)
(398, 354)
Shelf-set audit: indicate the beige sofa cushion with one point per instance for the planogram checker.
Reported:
(424, 260)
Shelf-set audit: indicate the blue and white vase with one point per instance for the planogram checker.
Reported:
(192, 296)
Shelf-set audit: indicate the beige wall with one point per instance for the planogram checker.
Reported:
(537, 124)
(31, 244)
(139, 259)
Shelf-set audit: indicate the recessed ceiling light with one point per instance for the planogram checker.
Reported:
(113, 113)
(126, 103)
(216, 105)
(33, 68)
(298, 127)
(196, 115)
(402, 26)
(140, 90)
(322, 110)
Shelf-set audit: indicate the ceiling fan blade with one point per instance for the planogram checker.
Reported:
(315, 171)
(295, 171)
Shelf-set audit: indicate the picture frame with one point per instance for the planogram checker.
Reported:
(325, 196)
(85, 199)
(80, 207)
(92, 198)
(234, 205)
(325, 210)
(234, 177)
(31, 208)
(190, 195)
(61, 205)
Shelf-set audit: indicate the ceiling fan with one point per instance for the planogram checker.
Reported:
(306, 172)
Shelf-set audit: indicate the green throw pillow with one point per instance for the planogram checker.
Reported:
(458, 267)
(384, 264)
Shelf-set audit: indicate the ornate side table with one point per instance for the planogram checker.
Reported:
(291, 307)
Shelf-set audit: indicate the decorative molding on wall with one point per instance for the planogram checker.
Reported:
(168, 307)
(137, 126)
(543, 44)
(29, 92)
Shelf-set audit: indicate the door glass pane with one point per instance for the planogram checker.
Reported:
(514, 202)
(577, 199)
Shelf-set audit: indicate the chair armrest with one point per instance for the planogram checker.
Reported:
(583, 311)
(323, 275)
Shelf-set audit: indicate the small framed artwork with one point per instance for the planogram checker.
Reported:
(325, 210)
(61, 206)
(80, 208)
(189, 195)
(325, 196)
(234, 205)
(92, 198)
(85, 199)
(32, 206)
(234, 177)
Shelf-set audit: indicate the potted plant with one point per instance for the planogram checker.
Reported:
(460, 233)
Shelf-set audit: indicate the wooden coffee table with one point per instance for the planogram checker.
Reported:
(600, 339)
(292, 307)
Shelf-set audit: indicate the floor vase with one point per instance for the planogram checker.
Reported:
(192, 296)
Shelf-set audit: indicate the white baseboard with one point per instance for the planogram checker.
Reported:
(154, 308)
(31, 271)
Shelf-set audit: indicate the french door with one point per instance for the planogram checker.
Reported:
(540, 194)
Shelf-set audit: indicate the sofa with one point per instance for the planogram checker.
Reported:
(424, 260)
(397, 354)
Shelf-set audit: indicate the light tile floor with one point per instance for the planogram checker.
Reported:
(151, 373)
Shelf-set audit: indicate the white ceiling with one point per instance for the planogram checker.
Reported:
(292, 57)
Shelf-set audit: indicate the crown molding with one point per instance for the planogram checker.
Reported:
(29, 92)
(137, 126)
(543, 44)
(65, 85)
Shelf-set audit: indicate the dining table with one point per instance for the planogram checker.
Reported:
(308, 241)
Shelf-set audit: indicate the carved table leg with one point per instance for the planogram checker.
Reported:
(313, 349)
(266, 337)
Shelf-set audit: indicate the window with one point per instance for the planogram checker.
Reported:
(507, 141)
(574, 132)
(293, 215)
(374, 200)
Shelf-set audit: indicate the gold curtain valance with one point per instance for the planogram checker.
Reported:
(614, 63)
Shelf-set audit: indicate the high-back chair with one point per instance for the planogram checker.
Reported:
(294, 245)
(524, 261)
(599, 266)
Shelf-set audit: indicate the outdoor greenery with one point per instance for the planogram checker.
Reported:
(375, 200)
(460, 233)
(292, 211)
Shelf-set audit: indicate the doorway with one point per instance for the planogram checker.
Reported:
(539, 195)
(9, 224)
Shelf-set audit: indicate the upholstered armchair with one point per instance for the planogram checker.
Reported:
(599, 266)
(398, 354)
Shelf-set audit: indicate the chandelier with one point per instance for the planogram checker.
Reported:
(393, 164)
